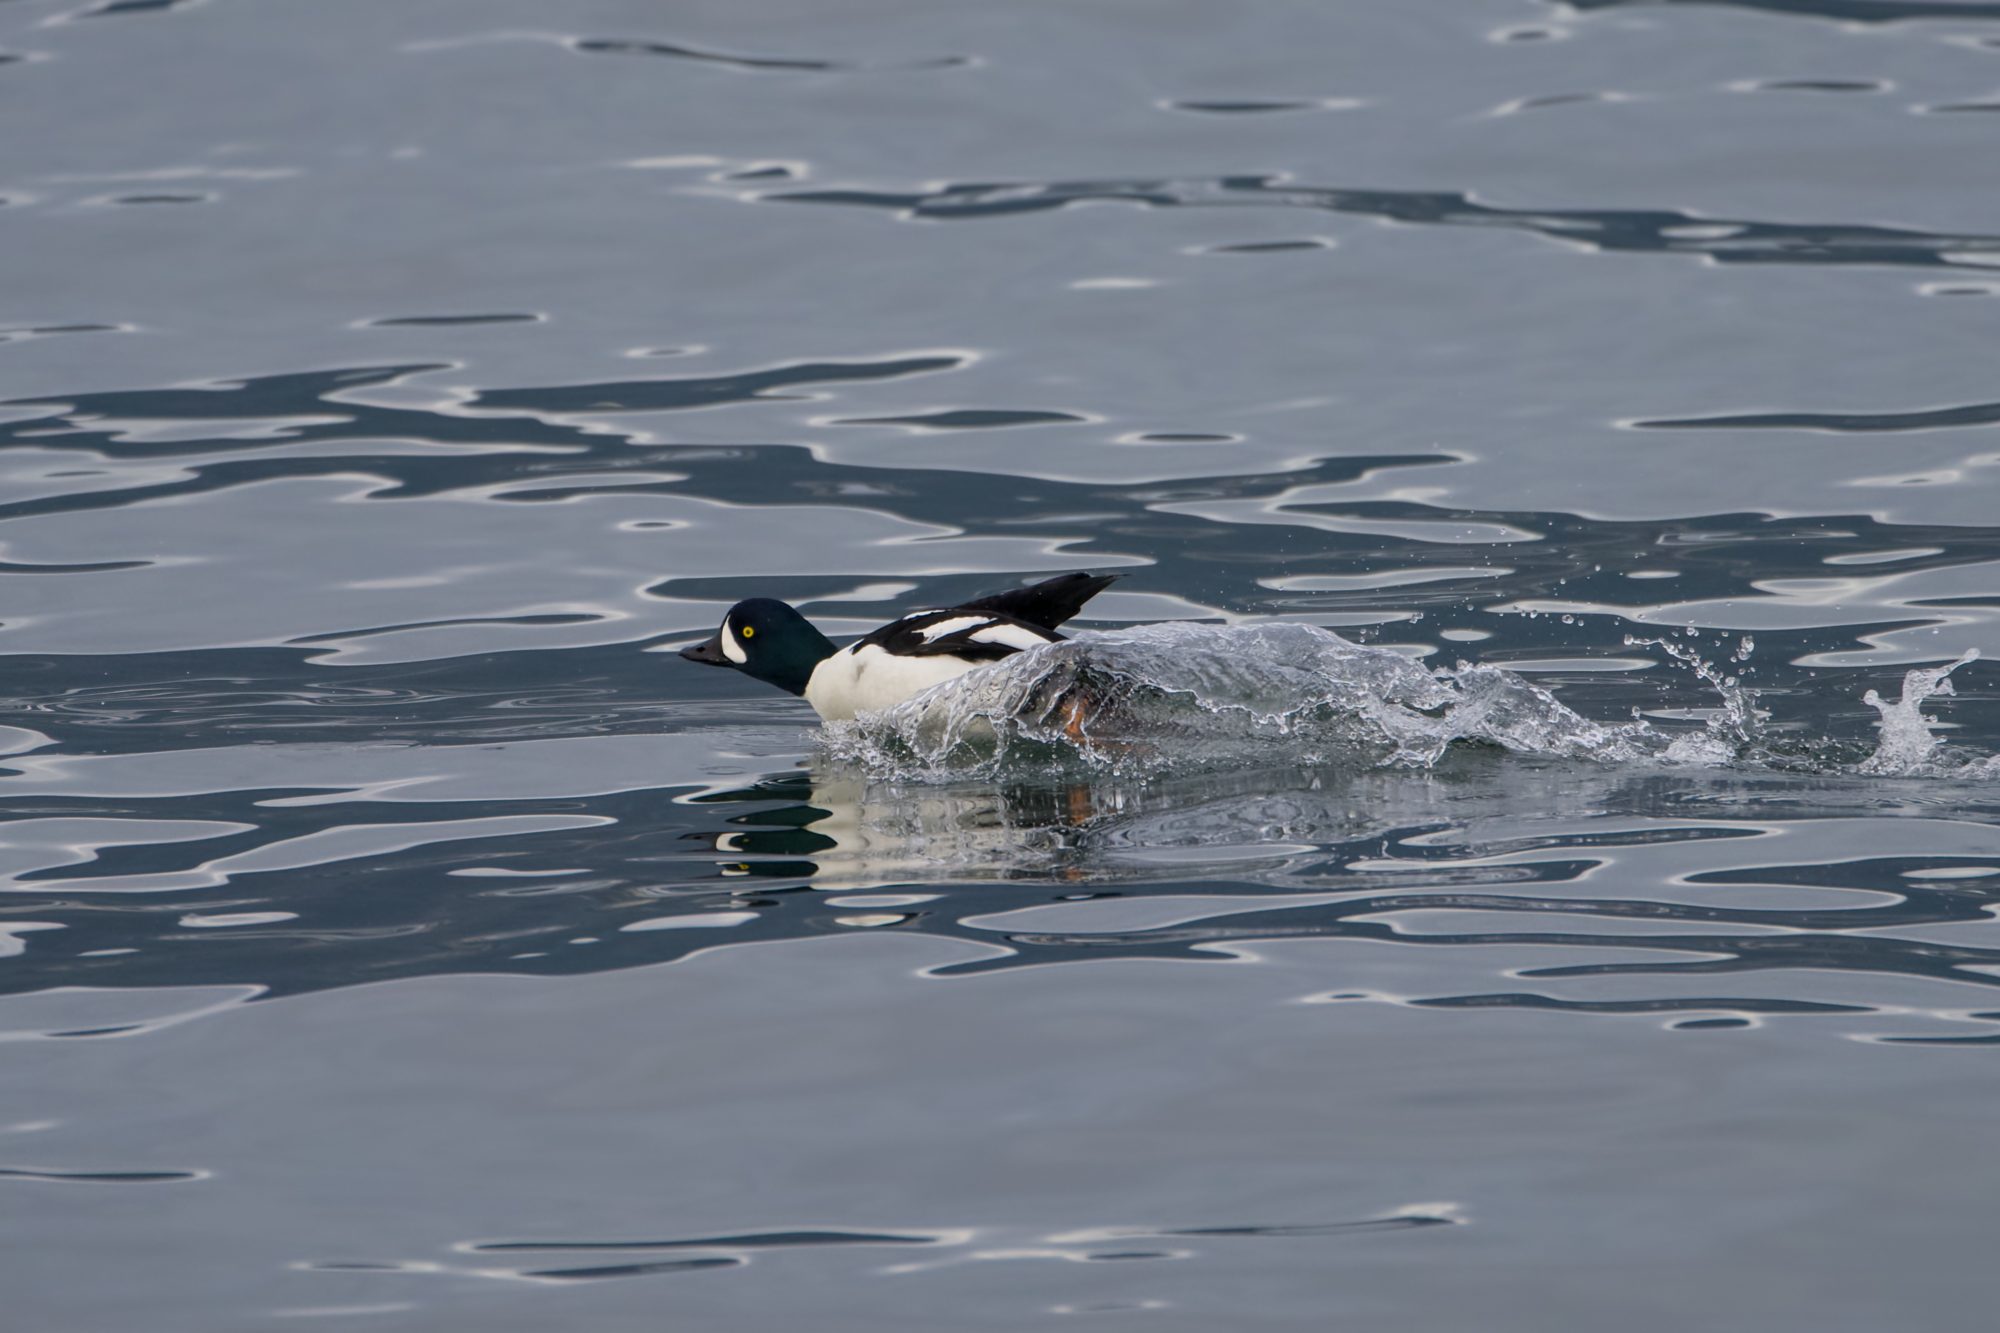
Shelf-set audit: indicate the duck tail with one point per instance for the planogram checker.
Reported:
(1048, 603)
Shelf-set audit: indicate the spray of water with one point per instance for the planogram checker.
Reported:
(1733, 731)
(1185, 698)
(1907, 745)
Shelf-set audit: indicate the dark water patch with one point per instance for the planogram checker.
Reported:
(330, 636)
(99, 1177)
(1839, 11)
(1530, 1000)
(1820, 86)
(119, 7)
(1401, 1222)
(1980, 602)
(1936, 418)
(1950, 107)
(450, 321)
(117, 1030)
(604, 1271)
(675, 51)
(163, 199)
(1721, 240)
(1711, 1024)
(1187, 437)
(663, 395)
(1554, 99)
(608, 46)
(1243, 107)
(757, 1240)
(262, 396)
(967, 419)
(92, 567)
(1266, 247)
(1033, 1245)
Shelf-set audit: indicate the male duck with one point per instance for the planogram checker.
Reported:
(772, 642)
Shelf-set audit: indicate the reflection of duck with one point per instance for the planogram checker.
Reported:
(772, 642)
(841, 830)
(885, 835)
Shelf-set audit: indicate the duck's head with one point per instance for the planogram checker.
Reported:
(766, 639)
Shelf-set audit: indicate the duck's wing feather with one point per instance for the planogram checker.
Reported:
(977, 636)
(1048, 603)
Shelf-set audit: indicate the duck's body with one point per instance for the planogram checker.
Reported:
(773, 642)
(908, 656)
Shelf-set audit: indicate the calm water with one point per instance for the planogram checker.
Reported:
(392, 940)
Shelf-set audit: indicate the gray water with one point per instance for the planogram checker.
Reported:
(392, 940)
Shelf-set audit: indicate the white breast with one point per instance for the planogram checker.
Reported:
(865, 679)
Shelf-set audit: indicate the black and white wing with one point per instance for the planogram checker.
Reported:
(976, 636)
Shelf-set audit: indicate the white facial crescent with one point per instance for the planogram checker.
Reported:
(729, 648)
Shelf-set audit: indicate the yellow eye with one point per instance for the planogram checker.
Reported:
(749, 632)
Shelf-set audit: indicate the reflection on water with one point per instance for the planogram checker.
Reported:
(1698, 871)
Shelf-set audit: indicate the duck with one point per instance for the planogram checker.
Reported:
(770, 641)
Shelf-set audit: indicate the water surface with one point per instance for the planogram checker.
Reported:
(394, 938)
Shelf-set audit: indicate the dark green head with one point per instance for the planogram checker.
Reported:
(768, 640)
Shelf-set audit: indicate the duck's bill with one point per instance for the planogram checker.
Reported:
(709, 654)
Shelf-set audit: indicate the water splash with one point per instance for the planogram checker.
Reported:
(1907, 746)
(1733, 731)
(1193, 697)
(1140, 702)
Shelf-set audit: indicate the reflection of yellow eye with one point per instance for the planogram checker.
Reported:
(749, 632)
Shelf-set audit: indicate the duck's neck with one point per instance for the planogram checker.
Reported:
(794, 671)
